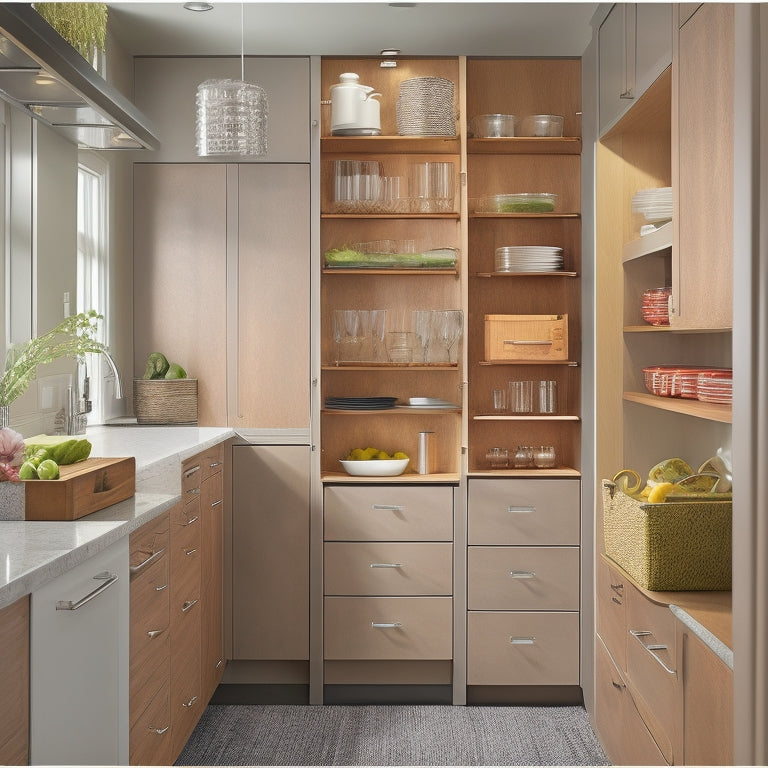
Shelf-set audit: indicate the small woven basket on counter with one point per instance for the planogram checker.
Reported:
(165, 401)
(672, 546)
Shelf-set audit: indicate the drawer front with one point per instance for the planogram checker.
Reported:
(185, 569)
(212, 461)
(187, 702)
(185, 516)
(388, 513)
(388, 568)
(191, 477)
(150, 605)
(150, 735)
(523, 578)
(524, 512)
(388, 628)
(652, 665)
(148, 544)
(620, 727)
(611, 612)
(522, 648)
(148, 672)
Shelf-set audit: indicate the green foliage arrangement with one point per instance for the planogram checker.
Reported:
(73, 337)
(82, 25)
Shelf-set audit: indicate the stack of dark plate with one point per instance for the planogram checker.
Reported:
(360, 403)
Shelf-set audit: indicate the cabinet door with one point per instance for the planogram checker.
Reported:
(270, 552)
(179, 275)
(611, 40)
(14, 683)
(702, 256)
(272, 377)
(653, 49)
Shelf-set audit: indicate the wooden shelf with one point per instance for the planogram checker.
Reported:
(558, 273)
(568, 363)
(528, 417)
(525, 145)
(701, 410)
(524, 215)
(390, 366)
(671, 329)
(647, 244)
(451, 216)
(425, 145)
(370, 271)
(407, 477)
(399, 410)
(528, 472)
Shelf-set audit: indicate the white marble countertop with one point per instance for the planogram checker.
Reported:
(34, 552)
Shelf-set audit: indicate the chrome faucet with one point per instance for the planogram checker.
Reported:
(116, 374)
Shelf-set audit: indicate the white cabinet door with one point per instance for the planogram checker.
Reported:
(79, 664)
(653, 49)
(612, 67)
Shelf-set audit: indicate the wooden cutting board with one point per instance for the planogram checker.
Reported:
(82, 488)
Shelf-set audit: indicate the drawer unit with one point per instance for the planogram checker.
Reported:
(388, 568)
(151, 739)
(523, 578)
(524, 512)
(211, 461)
(384, 628)
(388, 513)
(522, 648)
(187, 703)
(150, 604)
(611, 611)
(149, 674)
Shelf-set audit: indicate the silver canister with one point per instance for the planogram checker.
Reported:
(426, 453)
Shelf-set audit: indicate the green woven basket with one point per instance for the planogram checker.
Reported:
(675, 546)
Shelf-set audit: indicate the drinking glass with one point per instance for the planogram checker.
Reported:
(378, 326)
(521, 396)
(347, 334)
(498, 458)
(544, 456)
(499, 399)
(447, 330)
(422, 326)
(547, 397)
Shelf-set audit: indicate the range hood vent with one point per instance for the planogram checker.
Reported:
(42, 73)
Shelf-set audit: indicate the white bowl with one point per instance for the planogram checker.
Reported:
(375, 467)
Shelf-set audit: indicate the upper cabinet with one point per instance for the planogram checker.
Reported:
(634, 48)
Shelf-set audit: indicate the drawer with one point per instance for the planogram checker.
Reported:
(523, 578)
(388, 628)
(619, 726)
(185, 516)
(150, 735)
(526, 337)
(524, 512)
(652, 666)
(187, 703)
(149, 671)
(388, 568)
(611, 611)
(150, 606)
(191, 477)
(522, 648)
(148, 543)
(211, 461)
(388, 513)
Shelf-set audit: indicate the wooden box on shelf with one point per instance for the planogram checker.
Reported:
(526, 337)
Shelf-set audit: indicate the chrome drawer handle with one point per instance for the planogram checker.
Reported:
(386, 565)
(617, 588)
(388, 507)
(616, 600)
(215, 464)
(189, 604)
(190, 702)
(216, 503)
(522, 641)
(521, 510)
(153, 633)
(194, 491)
(522, 574)
(191, 520)
(219, 663)
(190, 551)
(529, 342)
(191, 471)
(158, 731)
(652, 648)
(161, 588)
(108, 580)
(386, 624)
(136, 568)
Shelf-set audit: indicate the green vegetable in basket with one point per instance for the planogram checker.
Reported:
(175, 371)
(157, 366)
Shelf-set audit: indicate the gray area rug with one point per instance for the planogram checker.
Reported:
(392, 735)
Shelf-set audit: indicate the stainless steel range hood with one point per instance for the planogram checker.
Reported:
(42, 73)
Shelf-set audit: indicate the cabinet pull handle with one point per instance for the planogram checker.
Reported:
(388, 507)
(158, 731)
(522, 641)
(215, 464)
(616, 600)
(190, 551)
(522, 574)
(188, 605)
(191, 520)
(620, 686)
(529, 342)
(192, 471)
(194, 491)
(107, 579)
(190, 702)
(521, 510)
(219, 663)
(652, 648)
(153, 633)
(617, 588)
(386, 624)
(216, 503)
(136, 568)
(161, 587)
(386, 565)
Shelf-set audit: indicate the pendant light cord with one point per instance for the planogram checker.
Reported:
(242, 44)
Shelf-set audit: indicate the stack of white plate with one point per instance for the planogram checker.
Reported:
(425, 107)
(654, 204)
(529, 258)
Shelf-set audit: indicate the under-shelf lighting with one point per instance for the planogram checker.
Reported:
(388, 57)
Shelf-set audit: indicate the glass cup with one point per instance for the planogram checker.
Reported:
(499, 399)
(523, 457)
(401, 346)
(547, 396)
(430, 187)
(544, 456)
(521, 396)
(498, 458)
(348, 335)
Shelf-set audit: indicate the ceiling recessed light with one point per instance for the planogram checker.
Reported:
(198, 6)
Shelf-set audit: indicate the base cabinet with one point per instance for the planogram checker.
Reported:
(14, 683)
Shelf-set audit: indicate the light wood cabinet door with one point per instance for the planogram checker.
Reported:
(14, 683)
(611, 612)
(702, 253)
(270, 552)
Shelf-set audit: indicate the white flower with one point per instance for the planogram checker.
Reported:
(11, 447)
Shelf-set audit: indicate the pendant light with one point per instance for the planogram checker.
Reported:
(231, 114)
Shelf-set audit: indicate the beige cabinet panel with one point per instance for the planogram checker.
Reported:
(522, 648)
(388, 568)
(272, 376)
(179, 275)
(524, 512)
(270, 552)
(388, 628)
(388, 513)
(523, 578)
(610, 605)
(14, 683)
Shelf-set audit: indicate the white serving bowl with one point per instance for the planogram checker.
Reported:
(375, 467)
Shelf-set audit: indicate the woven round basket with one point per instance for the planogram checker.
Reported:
(165, 401)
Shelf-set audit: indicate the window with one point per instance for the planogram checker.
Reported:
(92, 266)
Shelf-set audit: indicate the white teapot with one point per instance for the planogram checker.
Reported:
(354, 108)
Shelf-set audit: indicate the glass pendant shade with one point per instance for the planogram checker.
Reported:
(231, 118)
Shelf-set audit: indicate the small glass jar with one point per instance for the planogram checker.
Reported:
(544, 456)
(498, 458)
(523, 456)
